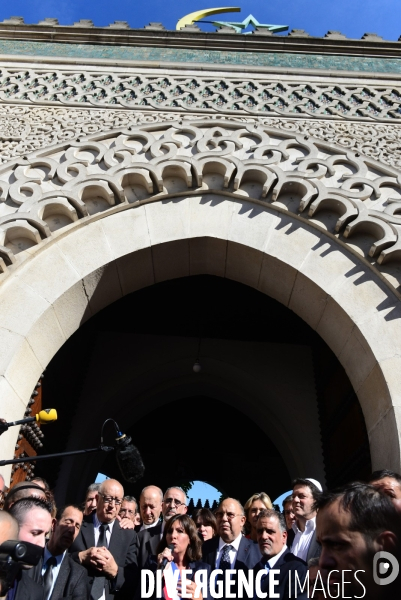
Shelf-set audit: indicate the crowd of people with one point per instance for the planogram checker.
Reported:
(344, 543)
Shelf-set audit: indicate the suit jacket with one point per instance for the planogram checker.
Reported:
(148, 540)
(288, 565)
(72, 580)
(27, 589)
(248, 556)
(124, 548)
(315, 549)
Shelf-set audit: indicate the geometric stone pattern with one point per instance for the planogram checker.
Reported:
(222, 95)
(343, 192)
(24, 129)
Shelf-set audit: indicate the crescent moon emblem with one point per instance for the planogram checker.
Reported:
(200, 14)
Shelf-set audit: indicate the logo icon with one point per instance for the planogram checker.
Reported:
(385, 568)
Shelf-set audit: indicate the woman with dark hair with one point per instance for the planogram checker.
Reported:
(205, 522)
(180, 534)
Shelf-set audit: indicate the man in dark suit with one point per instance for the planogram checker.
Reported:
(108, 552)
(230, 550)
(282, 569)
(59, 575)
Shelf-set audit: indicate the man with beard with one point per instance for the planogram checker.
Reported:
(283, 569)
(354, 523)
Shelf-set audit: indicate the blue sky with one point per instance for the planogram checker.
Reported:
(351, 17)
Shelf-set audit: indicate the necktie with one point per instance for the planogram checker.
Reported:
(98, 582)
(225, 562)
(102, 541)
(48, 576)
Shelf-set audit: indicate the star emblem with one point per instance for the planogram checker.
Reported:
(250, 20)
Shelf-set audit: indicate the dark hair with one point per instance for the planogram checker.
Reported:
(131, 499)
(269, 513)
(377, 475)
(21, 507)
(194, 549)
(371, 511)
(47, 486)
(18, 490)
(207, 517)
(305, 482)
(286, 500)
(60, 511)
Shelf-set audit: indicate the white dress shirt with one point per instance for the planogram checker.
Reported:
(272, 561)
(302, 539)
(55, 569)
(233, 552)
(148, 525)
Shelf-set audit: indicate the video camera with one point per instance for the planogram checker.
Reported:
(14, 556)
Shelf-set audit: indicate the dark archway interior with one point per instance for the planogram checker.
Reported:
(186, 438)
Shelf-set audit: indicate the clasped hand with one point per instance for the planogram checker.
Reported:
(101, 559)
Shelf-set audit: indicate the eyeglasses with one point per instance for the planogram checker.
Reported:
(288, 512)
(171, 500)
(230, 516)
(110, 499)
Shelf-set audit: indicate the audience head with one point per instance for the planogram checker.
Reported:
(305, 494)
(205, 522)
(2, 483)
(110, 497)
(65, 528)
(174, 503)
(389, 483)
(271, 532)
(34, 519)
(25, 489)
(129, 508)
(315, 582)
(41, 483)
(288, 512)
(230, 519)
(8, 527)
(353, 523)
(252, 508)
(180, 531)
(150, 504)
(91, 498)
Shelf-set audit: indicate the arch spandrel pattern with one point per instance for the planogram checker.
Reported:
(353, 197)
(308, 223)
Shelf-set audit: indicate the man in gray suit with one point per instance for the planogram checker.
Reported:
(59, 575)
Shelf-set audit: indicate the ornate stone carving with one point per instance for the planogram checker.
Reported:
(222, 95)
(25, 129)
(354, 198)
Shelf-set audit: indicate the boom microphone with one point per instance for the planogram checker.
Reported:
(128, 458)
(165, 559)
(47, 415)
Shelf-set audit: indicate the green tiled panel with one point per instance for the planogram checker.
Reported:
(223, 57)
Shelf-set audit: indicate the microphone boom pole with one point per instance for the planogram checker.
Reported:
(14, 461)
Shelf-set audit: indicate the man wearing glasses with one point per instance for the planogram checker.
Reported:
(230, 550)
(108, 552)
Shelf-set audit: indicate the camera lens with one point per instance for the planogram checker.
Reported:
(20, 551)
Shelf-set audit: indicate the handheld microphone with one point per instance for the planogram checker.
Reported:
(165, 559)
(128, 458)
(47, 415)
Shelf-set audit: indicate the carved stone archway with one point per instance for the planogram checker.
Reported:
(310, 224)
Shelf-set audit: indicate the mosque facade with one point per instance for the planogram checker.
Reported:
(136, 158)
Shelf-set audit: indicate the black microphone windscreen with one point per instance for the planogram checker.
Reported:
(129, 460)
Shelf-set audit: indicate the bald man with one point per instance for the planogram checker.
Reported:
(108, 552)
